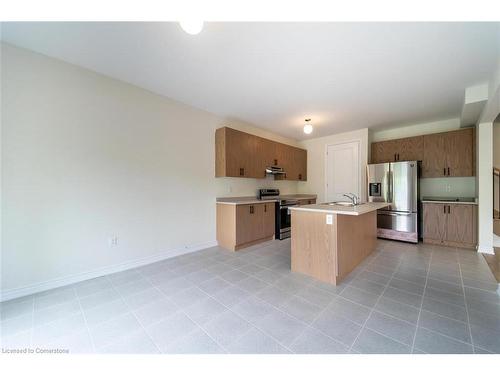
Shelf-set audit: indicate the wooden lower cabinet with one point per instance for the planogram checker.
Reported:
(450, 224)
(303, 202)
(243, 225)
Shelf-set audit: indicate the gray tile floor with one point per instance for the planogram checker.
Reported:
(402, 299)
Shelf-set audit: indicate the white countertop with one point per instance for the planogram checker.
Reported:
(254, 200)
(449, 202)
(342, 210)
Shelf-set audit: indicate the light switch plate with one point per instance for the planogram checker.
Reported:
(329, 219)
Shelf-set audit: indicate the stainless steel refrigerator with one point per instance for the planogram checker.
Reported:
(397, 184)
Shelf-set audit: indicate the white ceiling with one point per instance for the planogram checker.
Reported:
(342, 75)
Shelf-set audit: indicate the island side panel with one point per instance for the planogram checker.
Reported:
(356, 239)
(314, 245)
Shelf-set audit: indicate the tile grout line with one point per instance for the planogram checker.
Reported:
(86, 323)
(422, 302)
(467, 310)
(135, 317)
(373, 308)
(182, 310)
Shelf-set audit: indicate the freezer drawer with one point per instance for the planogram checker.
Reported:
(401, 222)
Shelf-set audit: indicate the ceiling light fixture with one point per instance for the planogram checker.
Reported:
(308, 128)
(192, 27)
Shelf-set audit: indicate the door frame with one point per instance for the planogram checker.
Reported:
(360, 177)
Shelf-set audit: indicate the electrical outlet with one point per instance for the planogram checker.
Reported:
(113, 241)
(448, 188)
(329, 219)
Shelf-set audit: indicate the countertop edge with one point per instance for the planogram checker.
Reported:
(450, 202)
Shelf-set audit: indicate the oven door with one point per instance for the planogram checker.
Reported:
(285, 221)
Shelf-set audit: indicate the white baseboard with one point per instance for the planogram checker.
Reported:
(486, 249)
(71, 279)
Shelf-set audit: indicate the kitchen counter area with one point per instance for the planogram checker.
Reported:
(255, 200)
(329, 241)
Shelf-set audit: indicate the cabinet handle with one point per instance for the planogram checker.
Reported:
(449, 209)
(448, 171)
(251, 209)
(265, 208)
(444, 171)
(398, 156)
(242, 171)
(395, 158)
(444, 209)
(300, 176)
(275, 161)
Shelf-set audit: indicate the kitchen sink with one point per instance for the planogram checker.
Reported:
(342, 203)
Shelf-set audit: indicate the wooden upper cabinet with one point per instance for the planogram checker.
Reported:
(434, 163)
(404, 149)
(383, 152)
(460, 152)
(410, 149)
(450, 154)
(239, 154)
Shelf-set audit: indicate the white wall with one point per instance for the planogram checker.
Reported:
(316, 160)
(413, 130)
(86, 157)
(496, 162)
(484, 149)
(438, 187)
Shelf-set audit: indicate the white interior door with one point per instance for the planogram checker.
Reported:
(342, 171)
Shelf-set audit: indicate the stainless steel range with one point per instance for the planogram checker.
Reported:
(283, 217)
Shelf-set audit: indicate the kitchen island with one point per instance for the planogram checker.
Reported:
(329, 241)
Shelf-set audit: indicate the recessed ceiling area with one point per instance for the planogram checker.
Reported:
(344, 76)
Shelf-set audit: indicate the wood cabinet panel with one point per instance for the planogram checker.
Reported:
(449, 154)
(461, 224)
(434, 163)
(239, 154)
(269, 219)
(410, 149)
(404, 149)
(303, 202)
(383, 152)
(434, 221)
(450, 224)
(243, 225)
(460, 152)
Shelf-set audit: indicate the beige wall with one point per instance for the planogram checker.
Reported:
(440, 187)
(85, 158)
(316, 161)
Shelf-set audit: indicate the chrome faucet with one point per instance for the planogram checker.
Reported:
(353, 197)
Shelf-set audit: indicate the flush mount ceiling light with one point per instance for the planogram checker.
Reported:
(192, 27)
(308, 128)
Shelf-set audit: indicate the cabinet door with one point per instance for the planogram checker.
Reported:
(461, 224)
(249, 222)
(239, 148)
(434, 162)
(460, 153)
(383, 152)
(435, 221)
(410, 149)
(301, 162)
(269, 219)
